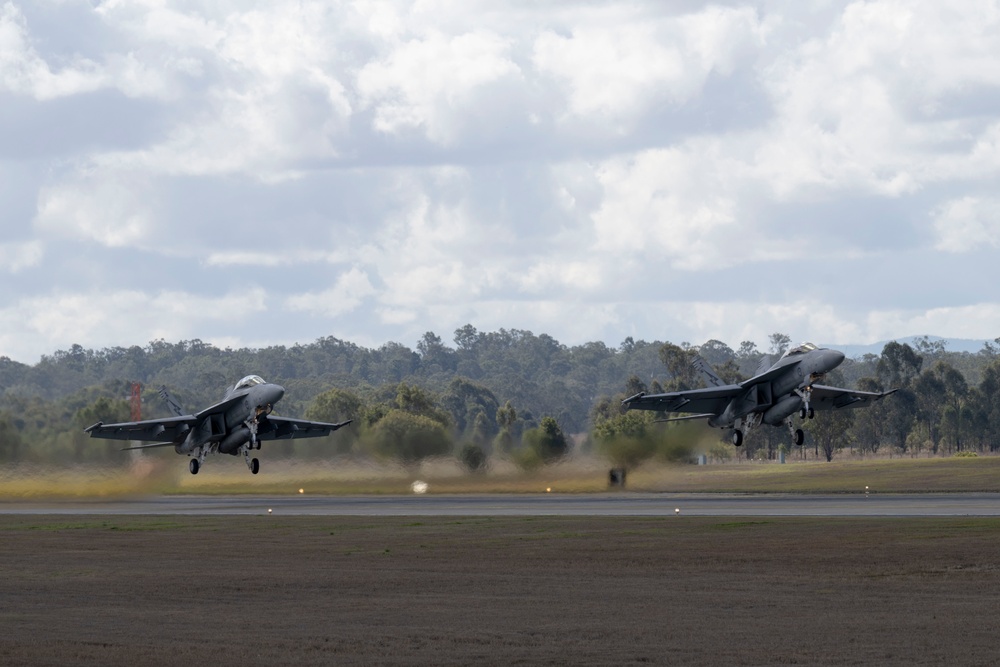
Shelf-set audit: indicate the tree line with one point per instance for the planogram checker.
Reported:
(507, 392)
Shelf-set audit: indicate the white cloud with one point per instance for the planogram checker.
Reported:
(275, 257)
(15, 257)
(621, 69)
(432, 251)
(155, 21)
(545, 277)
(439, 83)
(974, 321)
(24, 72)
(968, 223)
(566, 168)
(136, 73)
(349, 291)
(666, 203)
(867, 105)
(106, 210)
(35, 325)
(274, 96)
(396, 316)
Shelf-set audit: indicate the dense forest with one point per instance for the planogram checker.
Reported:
(507, 392)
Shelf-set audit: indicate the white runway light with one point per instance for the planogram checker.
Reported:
(419, 487)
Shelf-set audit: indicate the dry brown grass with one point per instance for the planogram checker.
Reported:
(254, 590)
(227, 476)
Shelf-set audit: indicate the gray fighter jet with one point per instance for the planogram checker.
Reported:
(770, 397)
(234, 426)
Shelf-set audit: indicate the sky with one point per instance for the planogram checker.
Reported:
(270, 173)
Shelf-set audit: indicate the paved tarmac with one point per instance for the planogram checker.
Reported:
(604, 504)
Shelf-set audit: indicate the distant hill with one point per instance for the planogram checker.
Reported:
(951, 344)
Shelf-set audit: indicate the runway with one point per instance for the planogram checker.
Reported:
(605, 504)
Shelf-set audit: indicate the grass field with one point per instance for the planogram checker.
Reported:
(261, 590)
(223, 475)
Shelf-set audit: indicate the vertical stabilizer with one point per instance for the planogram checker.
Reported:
(171, 402)
(711, 379)
(763, 366)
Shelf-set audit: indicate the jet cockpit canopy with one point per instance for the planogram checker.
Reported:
(249, 381)
(801, 349)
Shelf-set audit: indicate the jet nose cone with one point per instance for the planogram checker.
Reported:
(274, 393)
(834, 358)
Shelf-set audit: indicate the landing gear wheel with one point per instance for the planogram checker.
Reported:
(737, 438)
(798, 437)
(812, 413)
(193, 466)
(254, 466)
(802, 413)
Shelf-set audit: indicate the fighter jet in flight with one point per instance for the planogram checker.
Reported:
(234, 426)
(770, 397)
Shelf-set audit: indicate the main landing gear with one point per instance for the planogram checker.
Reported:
(798, 435)
(737, 437)
(197, 460)
(253, 464)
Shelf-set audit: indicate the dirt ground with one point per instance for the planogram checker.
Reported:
(302, 591)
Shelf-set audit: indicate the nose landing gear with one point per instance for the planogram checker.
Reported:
(807, 411)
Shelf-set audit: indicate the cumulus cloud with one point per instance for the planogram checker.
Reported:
(347, 293)
(620, 69)
(104, 210)
(273, 258)
(439, 84)
(23, 71)
(876, 103)
(121, 317)
(15, 257)
(588, 169)
(966, 224)
(666, 203)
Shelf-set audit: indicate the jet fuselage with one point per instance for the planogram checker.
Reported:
(251, 399)
(777, 397)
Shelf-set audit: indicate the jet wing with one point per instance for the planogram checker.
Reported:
(708, 401)
(835, 398)
(283, 428)
(169, 429)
